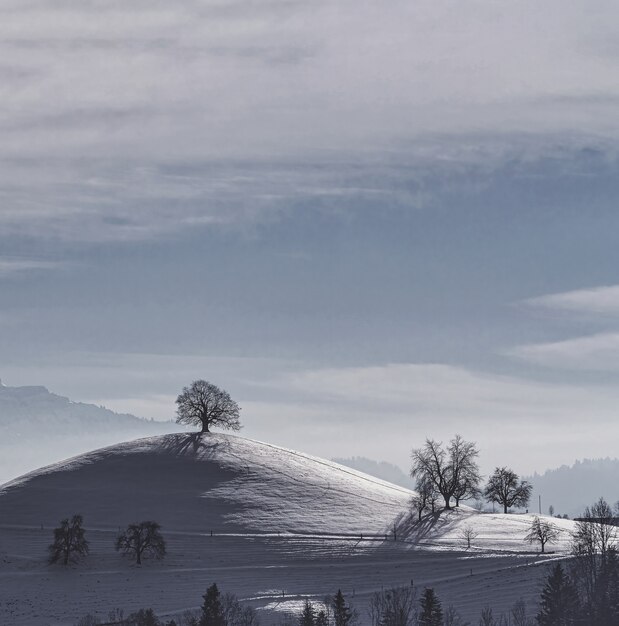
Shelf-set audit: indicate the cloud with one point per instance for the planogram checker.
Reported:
(599, 352)
(602, 300)
(101, 100)
(9, 267)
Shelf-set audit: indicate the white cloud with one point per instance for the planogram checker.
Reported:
(12, 266)
(599, 352)
(98, 96)
(602, 300)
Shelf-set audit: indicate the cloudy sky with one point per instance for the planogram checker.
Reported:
(370, 221)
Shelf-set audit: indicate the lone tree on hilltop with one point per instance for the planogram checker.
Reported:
(452, 470)
(68, 540)
(204, 404)
(505, 488)
(143, 539)
(542, 532)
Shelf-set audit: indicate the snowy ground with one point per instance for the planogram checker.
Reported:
(284, 526)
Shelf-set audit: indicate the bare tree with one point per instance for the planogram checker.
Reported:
(594, 537)
(204, 404)
(542, 532)
(69, 539)
(467, 488)
(519, 613)
(505, 488)
(468, 534)
(425, 498)
(453, 470)
(143, 539)
(486, 618)
(392, 607)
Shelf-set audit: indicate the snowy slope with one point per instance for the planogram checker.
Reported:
(285, 525)
(207, 482)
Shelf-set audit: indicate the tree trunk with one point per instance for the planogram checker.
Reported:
(447, 502)
(139, 557)
(504, 508)
(205, 427)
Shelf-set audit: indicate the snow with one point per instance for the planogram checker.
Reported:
(285, 525)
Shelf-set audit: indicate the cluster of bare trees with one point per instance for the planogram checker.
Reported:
(137, 540)
(451, 473)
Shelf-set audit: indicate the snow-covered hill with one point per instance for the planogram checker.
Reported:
(271, 524)
(39, 427)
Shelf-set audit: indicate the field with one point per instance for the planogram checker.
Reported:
(272, 525)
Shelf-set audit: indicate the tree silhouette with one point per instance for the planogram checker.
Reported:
(431, 610)
(343, 615)
(559, 602)
(68, 540)
(308, 615)
(542, 532)
(505, 488)
(143, 539)
(212, 608)
(204, 404)
(452, 470)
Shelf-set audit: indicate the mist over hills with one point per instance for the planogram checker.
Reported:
(38, 427)
(570, 488)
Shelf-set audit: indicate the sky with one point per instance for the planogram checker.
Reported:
(371, 222)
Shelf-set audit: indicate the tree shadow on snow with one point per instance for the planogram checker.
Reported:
(431, 526)
(195, 445)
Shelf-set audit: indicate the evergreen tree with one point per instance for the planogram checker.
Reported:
(559, 603)
(342, 613)
(144, 617)
(212, 609)
(605, 605)
(308, 615)
(68, 539)
(321, 619)
(431, 610)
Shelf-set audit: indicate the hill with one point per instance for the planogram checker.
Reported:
(270, 524)
(38, 427)
(381, 469)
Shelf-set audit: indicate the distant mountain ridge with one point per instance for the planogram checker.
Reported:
(63, 428)
(570, 488)
(25, 408)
